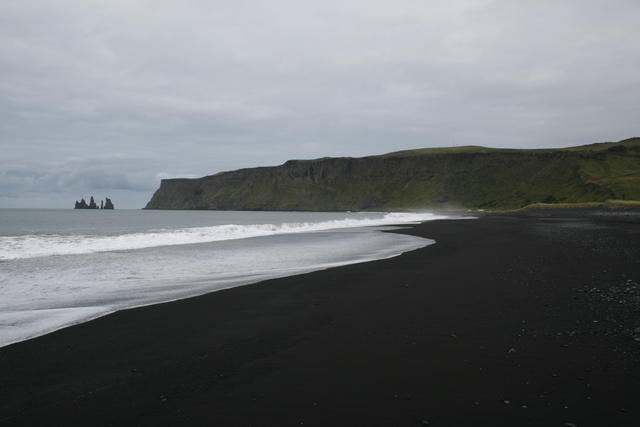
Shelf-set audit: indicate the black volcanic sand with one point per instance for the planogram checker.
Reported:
(505, 321)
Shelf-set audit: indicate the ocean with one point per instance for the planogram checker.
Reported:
(62, 267)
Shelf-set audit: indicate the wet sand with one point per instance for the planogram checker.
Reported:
(505, 321)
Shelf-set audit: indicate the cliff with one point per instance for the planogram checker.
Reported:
(471, 177)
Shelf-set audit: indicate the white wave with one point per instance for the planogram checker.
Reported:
(32, 246)
(41, 295)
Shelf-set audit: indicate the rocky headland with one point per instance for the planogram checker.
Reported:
(433, 178)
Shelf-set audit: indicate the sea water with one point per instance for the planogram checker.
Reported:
(62, 267)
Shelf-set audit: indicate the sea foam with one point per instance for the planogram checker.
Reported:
(41, 245)
(56, 269)
(44, 294)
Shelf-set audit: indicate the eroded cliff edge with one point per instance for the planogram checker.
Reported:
(463, 177)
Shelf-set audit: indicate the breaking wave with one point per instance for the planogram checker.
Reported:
(42, 245)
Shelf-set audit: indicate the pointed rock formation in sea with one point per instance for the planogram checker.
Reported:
(82, 204)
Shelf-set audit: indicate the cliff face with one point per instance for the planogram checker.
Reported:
(473, 177)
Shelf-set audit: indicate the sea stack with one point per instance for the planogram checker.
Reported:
(82, 204)
(108, 204)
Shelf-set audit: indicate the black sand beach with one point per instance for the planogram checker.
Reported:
(505, 321)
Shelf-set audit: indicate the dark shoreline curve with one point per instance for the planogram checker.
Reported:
(507, 320)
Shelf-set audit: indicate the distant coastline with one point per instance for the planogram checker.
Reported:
(470, 177)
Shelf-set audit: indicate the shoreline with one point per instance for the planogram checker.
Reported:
(365, 244)
(492, 325)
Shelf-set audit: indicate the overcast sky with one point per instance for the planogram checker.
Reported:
(105, 98)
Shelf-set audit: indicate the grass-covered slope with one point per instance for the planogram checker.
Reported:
(462, 177)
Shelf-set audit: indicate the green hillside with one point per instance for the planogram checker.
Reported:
(456, 177)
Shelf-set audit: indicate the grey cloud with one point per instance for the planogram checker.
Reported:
(149, 88)
(76, 177)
